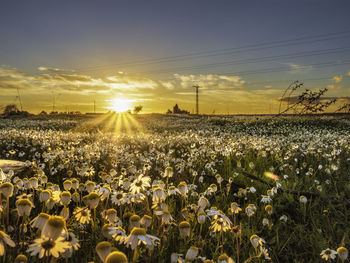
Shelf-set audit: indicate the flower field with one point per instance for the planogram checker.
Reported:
(158, 188)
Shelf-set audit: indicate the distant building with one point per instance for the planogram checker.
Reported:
(177, 110)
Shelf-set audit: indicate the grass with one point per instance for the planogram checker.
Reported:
(310, 156)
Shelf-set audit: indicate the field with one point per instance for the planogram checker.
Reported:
(164, 188)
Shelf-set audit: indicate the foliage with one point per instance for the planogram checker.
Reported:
(308, 102)
(138, 109)
(222, 160)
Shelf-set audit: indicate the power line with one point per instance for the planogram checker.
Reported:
(252, 60)
(219, 52)
(279, 69)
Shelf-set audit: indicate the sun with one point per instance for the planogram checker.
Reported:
(120, 105)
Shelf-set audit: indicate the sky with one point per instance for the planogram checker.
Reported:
(71, 55)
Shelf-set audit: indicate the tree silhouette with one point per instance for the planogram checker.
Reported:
(11, 109)
(137, 109)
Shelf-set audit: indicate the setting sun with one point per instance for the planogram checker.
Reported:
(120, 105)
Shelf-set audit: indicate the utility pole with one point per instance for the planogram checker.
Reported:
(19, 97)
(197, 109)
(94, 106)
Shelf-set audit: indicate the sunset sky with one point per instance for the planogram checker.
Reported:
(242, 54)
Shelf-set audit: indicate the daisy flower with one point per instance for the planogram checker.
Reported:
(141, 183)
(116, 257)
(342, 253)
(256, 241)
(4, 238)
(82, 215)
(138, 236)
(46, 247)
(328, 254)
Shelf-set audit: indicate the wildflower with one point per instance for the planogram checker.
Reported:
(236, 231)
(185, 229)
(44, 195)
(67, 185)
(104, 192)
(173, 190)
(203, 203)
(24, 206)
(103, 249)
(6, 189)
(250, 210)
(54, 227)
(342, 253)
(256, 241)
(166, 217)
(107, 230)
(146, 221)
(220, 224)
(223, 258)
(73, 245)
(328, 254)
(21, 259)
(265, 221)
(252, 190)
(176, 258)
(192, 253)
(169, 172)
(50, 203)
(269, 209)
(33, 182)
(219, 178)
(235, 209)
(116, 257)
(183, 188)
(90, 186)
(140, 184)
(46, 247)
(265, 252)
(266, 199)
(134, 221)
(303, 199)
(65, 198)
(76, 197)
(4, 238)
(213, 188)
(184, 212)
(110, 215)
(201, 217)
(284, 218)
(75, 183)
(242, 192)
(40, 221)
(92, 200)
(118, 234)
(117, 197)
(82, 215)
(139, 236)
(158, 195)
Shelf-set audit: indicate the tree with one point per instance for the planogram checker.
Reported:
(137, 109)
(11, 109)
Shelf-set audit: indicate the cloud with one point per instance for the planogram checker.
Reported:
(51, 78)
(296, 67)
(167, 84)
(209, 81)
(338, 79)
(50, 69)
